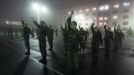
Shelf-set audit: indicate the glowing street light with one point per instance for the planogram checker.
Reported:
(7, 22)
(37, 7)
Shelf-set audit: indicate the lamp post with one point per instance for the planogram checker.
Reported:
(39, 8)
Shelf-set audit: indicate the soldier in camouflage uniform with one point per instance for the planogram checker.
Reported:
(73, 42)
(26, 33)
(41, 34)
(96, 41)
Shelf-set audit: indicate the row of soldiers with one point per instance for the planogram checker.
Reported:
(75, 40)
(43, 31)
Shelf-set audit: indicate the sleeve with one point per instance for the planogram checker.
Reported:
(101, 40)
(105, 28)
(81, 40)
(92, 28)
(69, 21)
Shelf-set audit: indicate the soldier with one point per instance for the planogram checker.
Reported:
(108, 39)
(50, 33)
(41, 34)
(116, 39)
(83, 35)
(96, 40)
(26, 33)
(121, 37)
(73, 40)
(56, 32)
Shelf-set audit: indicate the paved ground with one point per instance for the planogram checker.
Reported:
(14, 62)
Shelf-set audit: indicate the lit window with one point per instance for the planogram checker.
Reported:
(101, 23)
(116, 6)
(124, 29)
(94, 9)
(80, 11)
(126, 4)
(104, 7)
(115, 17)
(115, 12)
(101, 18)
(101, 8)
(87, 10)
(126, 10)
(105, 18)
(125, 17)
(107, 7)
(125, 23)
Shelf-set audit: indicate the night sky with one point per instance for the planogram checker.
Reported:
(13, 9)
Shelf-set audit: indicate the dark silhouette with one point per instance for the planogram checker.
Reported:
(116, 39)
(108, 39)
(26, 33)
(50, 34)
(121, 37)
(21, 68)
(41, 34)
(96, 40)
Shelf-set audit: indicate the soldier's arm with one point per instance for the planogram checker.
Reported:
(112, 37)
(105, 28)
(23, 23)
(30, 32)
(36, 23)
(101, 40)
(92, 27)
(69, 20)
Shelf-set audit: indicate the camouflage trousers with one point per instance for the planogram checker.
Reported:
(73, 60)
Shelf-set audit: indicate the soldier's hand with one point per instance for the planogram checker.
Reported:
(22, 22)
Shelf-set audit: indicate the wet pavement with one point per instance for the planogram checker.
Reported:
(15, 62)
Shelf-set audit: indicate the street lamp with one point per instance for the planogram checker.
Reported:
(37, 7)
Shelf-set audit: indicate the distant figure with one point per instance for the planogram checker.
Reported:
(96, 41)
(83, 35)
(56, 32)
(116, 39)
(26, 33)
(41, 34)
(121, 37)
(50, 34)
(108, 39)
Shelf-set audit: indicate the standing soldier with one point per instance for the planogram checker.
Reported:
(116, 38)
(121, 37)
(96, 40)
(108, 39)
(83, 44)
(26, 33)
(50, 34)
(56, 32)
(73, 42)
(41, 34)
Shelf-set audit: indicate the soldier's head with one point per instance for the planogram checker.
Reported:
(42, 23)
(109, 29)
(73, 24)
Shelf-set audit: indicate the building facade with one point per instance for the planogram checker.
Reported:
(115, 12)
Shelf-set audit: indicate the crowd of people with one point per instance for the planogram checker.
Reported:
(75, 40)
